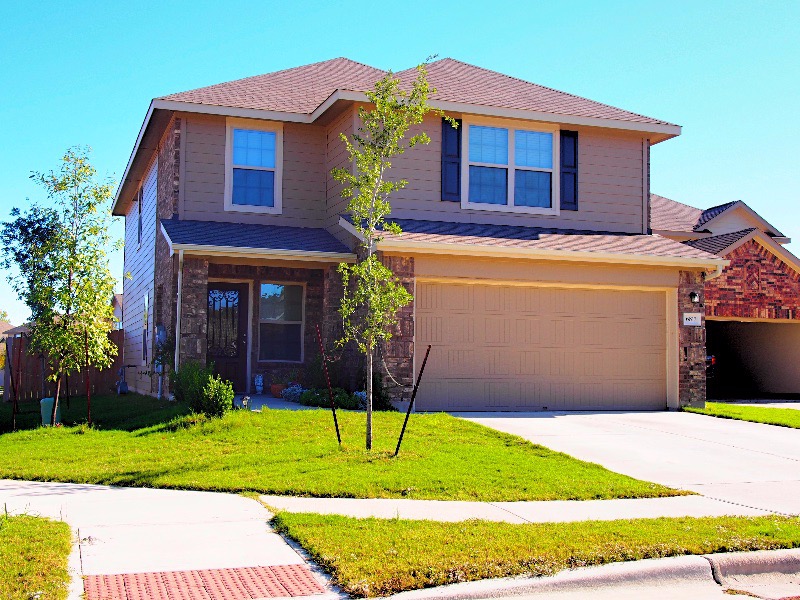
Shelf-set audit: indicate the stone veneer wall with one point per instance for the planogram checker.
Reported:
(194, 310)
(166, 266)
(757, 285)
(692, 342)
(399, 350)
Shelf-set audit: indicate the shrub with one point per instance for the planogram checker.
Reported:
(292, 393)
(320, 397)
(190, 381)
(217, 397)
(380, 396)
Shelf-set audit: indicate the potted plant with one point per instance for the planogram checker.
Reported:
(276, 389)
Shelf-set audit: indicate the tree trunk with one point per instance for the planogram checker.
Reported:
(369, 399)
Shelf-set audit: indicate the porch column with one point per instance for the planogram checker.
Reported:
(692, 341)
(193, 310)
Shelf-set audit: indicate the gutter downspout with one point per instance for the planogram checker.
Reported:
(716, 272)
(178, 312)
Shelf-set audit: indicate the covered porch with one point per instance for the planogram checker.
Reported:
(251, 298)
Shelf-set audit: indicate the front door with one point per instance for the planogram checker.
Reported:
(227, 332)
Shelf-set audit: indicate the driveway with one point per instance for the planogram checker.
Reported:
(743, 463)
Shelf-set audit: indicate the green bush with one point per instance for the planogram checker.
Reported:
(217, 397)
(320, 397)
(190, 381)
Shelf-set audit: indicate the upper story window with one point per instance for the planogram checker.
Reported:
(510, 169)
(253, 166)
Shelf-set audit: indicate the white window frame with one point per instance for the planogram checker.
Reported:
(302, 323)
(253, 125)
(511, 126)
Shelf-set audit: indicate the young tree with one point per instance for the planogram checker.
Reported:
(372, 294)
(62, 272)
(3, 316)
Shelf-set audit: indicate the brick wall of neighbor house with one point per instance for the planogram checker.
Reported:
(692, 343)
(165, 265)
(194, 310)
(756, 285)
(399, 350)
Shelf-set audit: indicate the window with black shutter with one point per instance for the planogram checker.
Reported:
(451, 162)
(569, 170)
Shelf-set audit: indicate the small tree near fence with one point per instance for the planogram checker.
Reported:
(62, 272)
(372, 293)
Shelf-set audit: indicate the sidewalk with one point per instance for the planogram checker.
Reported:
(554, 511)
(146, 543)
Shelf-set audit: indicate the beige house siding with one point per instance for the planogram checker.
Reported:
(140, 264)
(336, 156)
(203, 167)
(612, 180)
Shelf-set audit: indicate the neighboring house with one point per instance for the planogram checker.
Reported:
(752, 310)
(116, 302)
(526, 241)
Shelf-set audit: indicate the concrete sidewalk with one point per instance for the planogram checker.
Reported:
(557, 511)
(147, 531)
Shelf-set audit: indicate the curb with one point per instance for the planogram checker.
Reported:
(727, 567)
(716, 569)
(662, 571)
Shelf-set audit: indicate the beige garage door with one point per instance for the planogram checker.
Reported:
(498, 347)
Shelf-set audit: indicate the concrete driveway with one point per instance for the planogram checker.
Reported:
(743, 463)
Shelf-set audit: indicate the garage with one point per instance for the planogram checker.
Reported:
(753, 359)
(529, 347)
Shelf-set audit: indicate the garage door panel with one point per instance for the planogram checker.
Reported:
(524, 348)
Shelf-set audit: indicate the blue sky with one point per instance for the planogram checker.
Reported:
(84, 73)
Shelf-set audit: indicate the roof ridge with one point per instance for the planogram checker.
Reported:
(545, 87)
(723, 205)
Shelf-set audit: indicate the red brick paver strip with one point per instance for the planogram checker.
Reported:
(246, 583)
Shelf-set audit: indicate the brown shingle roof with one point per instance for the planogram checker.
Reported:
(712, 212)
(717, 244)
(297, 90)
(669, 215)
(5, 326)
(538, 238)
(456, 81)
(303, 89)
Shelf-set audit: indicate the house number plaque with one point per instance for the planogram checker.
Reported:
(692, 319)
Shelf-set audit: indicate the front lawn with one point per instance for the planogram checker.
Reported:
(785, 417)
(34, 554)
(378, 557)
(295, 453)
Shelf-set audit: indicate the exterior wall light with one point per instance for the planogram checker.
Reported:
(694, 297)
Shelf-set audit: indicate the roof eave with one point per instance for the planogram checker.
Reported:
(541, 254)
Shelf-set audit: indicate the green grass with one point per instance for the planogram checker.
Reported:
(785, 417)
(33, 558)
(109, 411)
(378, 557)
(295, 453)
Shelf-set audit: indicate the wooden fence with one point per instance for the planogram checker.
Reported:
(32, 376)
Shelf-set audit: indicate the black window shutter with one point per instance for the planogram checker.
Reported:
(569, 170)
(451, 162)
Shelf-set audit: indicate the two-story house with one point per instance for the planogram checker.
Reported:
(526, 241)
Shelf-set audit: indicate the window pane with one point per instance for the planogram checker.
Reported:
(532, 188)
(488, 185)
(254, 148)
(533, 149)
(253, 188)
(281, 302)
(279, 341)
(488, 145)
